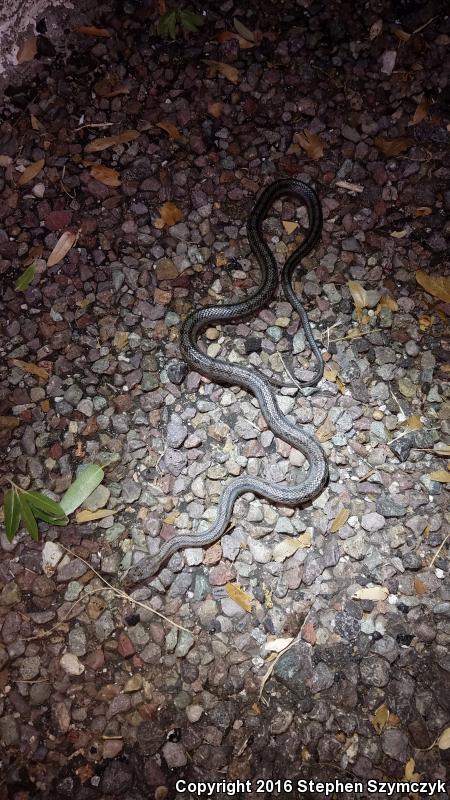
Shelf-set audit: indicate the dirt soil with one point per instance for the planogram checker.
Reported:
(335, 662)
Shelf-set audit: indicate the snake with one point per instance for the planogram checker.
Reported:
(252, 379)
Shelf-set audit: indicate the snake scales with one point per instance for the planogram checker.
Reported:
(251, 379)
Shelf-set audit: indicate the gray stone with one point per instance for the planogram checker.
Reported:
(131, 491)
(374, 671)
(395, 744)
(388, 507)
(184, 644)
(373, 522)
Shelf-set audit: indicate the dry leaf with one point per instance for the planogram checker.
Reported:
(31, 171)
(444, 740)
(434, 285)
(31, 368)
(358, 293)
(410, 775)
(27, 50)
(371, 593)
(340, 385)
(386, 301)
(425, 322)
(277, 645)
(339, 520)
(440, 475)
(423, 211)
(9, 422)
(88, 516)
(420, 113)
(91, 30)
(441, 449)
(121, 340)
(419, 586)
(171, 129)
(399, 234)
(412, 423)
(380, 718)
(106, 175)
(289, 227)
(36, 124)
(215, 109)
(110, 87)
(310, 143)
(402, 35)
(393, 147)
(65, 242)
(170, 214)
(240, 597)
(111, 141)
(225, 36)
(290, 544)
(227, 70)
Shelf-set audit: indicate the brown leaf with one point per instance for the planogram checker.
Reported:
(170, 214)
(310, 143)
(111, 141)
(9, 423)
(289, 226)
(440, 475)
(371, 593)
(339, 520)
(106, 175)
(36, 124)
(30, 368)
(375, 29)
(65, 242)
(386, 301)
(420, 113)
(225, 36)
(380, 718)
(420, 586)
(240, 597)
(27, 50)
(227, 70)
(110, 87)
(215, 109)
(412, 423)
(91, 30)
(358, 293)
(423, 211)
(171, 129)
(31, 171)
(443, 742)
(402, 35)
(434, 285)
(88, 516)
(393, 147)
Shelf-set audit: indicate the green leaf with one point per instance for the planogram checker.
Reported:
(172, 25)
(39, 514)
(12, 514)
(40, 502)
(28, 517)
(191, 20)
(243, 30)
(24, 280)
(81, 488)
(167, 24)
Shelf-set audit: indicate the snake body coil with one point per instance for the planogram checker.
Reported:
(251, 379)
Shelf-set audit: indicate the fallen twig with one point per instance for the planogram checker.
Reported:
(123, 594)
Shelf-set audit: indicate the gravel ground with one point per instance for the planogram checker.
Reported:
(101, 697)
